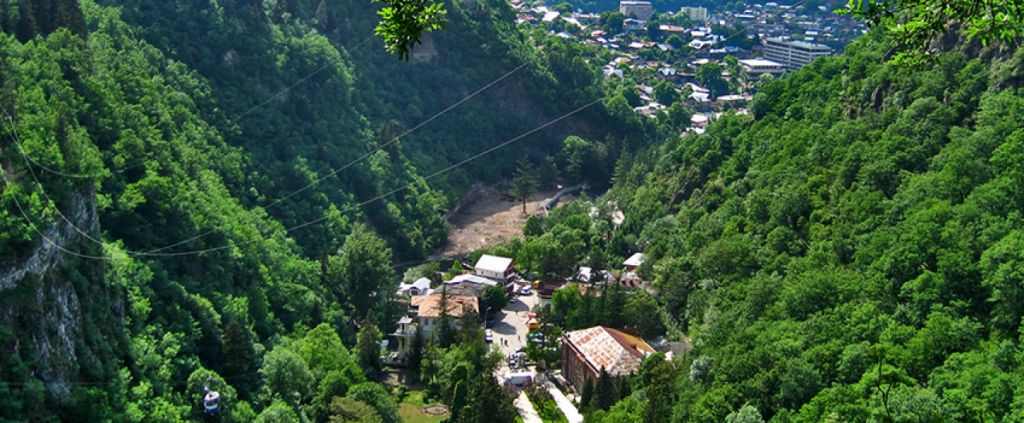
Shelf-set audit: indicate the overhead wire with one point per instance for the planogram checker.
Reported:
(157, 252)
(360, 158)
(322, 218)
(300, 81)
(402, 188)
(296, 227)
(140, 163)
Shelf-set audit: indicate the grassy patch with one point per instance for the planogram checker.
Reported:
(546, 406)
(411, 409)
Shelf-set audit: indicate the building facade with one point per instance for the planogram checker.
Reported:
(494, 267)
(755, 67)
(424, 315)
(586, 352)
(696, 14)
(793, 54)
(640, 10)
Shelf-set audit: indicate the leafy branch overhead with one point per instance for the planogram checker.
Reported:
(915, 24)
(403, 23)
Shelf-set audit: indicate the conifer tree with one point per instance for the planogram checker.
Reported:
(604, 391)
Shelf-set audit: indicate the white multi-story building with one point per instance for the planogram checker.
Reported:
(636, 9)
(793, 54)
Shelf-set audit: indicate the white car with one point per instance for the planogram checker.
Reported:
(525, 290)
(488, 336)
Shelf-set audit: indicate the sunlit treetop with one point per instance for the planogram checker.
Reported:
(403, 23)
(915, 24)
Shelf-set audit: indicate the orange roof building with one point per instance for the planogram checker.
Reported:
(585, 352)
(429, 306)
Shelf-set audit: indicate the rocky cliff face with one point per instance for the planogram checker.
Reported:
(57, 310)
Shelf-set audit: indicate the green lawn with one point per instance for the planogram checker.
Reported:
(546, 406)
(411, 409)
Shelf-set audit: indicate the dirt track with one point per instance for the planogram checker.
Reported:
(490, 220)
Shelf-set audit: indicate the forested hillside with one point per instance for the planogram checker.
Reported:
(851, 252)
(357, 97)
(183, 206)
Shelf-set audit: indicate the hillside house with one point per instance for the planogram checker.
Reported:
(494, 267)
(420, 287)
(424, 313)
(633, 262)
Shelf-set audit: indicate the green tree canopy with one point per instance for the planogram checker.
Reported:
(362, 271)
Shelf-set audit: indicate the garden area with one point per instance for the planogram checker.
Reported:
(415, 409)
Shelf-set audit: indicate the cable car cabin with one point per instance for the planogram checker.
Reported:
(211, 402)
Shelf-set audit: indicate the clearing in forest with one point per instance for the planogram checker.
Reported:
(491, 219)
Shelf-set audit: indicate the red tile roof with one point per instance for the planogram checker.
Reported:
(617, 352)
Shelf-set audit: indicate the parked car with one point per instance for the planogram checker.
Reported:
(488, 336)
(525, 291)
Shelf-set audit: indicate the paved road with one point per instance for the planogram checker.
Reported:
(526, 410)
(510, 329)
(568, 409)
(509, 335)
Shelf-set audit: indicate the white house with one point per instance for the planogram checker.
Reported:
(494, 267)
(634, 261)
(420, 287)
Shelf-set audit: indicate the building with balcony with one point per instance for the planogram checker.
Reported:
(424, 316)
(793, 54)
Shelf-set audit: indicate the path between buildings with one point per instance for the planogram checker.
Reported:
(526, 410)
(568, 409)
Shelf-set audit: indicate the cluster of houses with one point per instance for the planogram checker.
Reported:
(791, 37)
(462, 294)
(453, 298)
(584, 354)
(818, 25)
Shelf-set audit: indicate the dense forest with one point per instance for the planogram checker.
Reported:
(851, 251)
(213, 194)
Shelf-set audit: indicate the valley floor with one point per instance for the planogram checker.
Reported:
(490, 219)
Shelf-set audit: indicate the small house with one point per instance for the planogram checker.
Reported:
(494, 267)
(633, 262)
(420, 287)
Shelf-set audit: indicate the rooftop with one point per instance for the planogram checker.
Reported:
(756, 63)
(479, 280)
(430, 305)
(634, 260)
(617, 352)
(421, 285)
(493, 263)
(798, 43)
